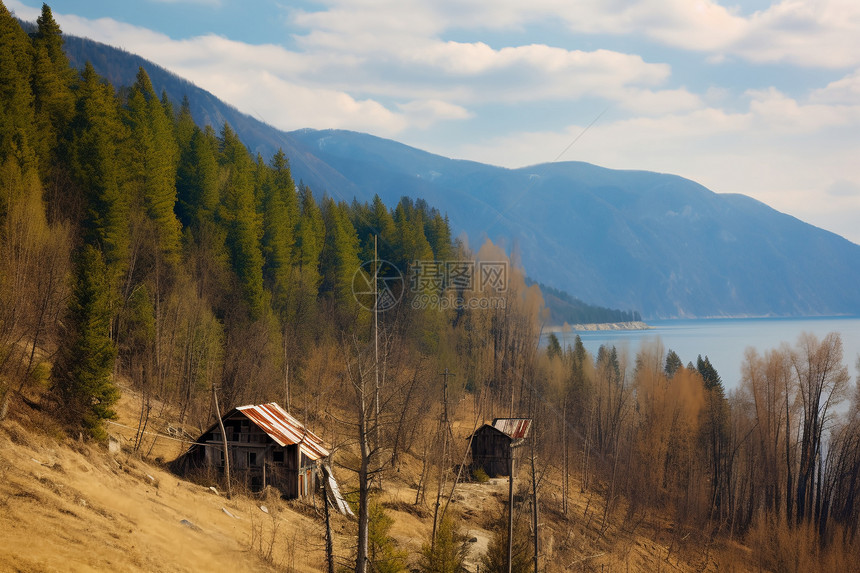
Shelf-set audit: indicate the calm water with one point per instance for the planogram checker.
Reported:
(724, 340)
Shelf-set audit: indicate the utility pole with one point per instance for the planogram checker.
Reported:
(226, 449)
(511, 510)
(445, 430)
(376, 354)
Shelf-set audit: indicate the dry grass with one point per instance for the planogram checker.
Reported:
(70, 506)
(67, 505)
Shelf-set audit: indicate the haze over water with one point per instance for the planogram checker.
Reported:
(724, 340)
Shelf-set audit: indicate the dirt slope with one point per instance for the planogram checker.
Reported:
(69, 505)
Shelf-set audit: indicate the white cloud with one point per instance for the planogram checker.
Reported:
(843, 91)
(353, 83)
(424, 113)
(825, 33)
(22, 11)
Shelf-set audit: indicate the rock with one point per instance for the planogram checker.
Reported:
(264, 509)
(190, 525)
(224, 509)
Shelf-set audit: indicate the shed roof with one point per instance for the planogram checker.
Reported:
(284, 429)
(516, 428)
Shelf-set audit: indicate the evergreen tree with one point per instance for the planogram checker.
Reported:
(84, 370)
(197, 173)
(339, 257)
(310, 236)
(375, 220)
(94, 166)
(52, 82)
(280, 215)
(383, 555)
(151, 154)
(448, 554)
(17, 130)
(673, 362)
(709, 373)
(438, 233)
(239, 216)
(553, 347)
(411, 244)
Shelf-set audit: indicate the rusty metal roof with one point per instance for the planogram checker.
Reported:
(285, 429)
(516, 428)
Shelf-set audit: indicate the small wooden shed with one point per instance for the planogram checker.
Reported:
(267, 447)
(494, 444)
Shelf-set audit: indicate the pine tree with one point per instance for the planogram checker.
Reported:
(17, 130)
(310, 236)
(280, 215)
(339, 256)
(375, 220)
(84, 370)
(448, 553)
(411, 243)
(553, 347)
(709, 373)
(239, 216)
(673, 362)
(197, 178)
(94, 165)
(151, 153)
(438, 233)
(52, 82)
(383, 555)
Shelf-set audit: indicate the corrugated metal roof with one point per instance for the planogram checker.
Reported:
(516, 428)
(285, 429)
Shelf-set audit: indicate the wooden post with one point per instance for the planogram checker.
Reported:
(534, 506)
(511, 510)
(329, 541)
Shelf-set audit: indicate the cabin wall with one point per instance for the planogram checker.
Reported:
(256, 461)
(491, 450)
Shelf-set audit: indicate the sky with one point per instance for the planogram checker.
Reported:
(754, 97)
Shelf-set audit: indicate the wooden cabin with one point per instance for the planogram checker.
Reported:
(267, 447)
(493, 445)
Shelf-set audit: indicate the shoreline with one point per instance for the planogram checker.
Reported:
(593, 327)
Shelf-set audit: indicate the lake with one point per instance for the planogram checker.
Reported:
(724, 340)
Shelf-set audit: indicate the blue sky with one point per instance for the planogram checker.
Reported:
(754, 97)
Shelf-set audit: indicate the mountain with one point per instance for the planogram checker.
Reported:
(660, 244)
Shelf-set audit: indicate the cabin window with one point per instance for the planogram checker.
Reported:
(252, 458)
(278, 456)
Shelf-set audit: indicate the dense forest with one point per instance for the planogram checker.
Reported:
(139, 250)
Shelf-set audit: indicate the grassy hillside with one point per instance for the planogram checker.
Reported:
(68, 505)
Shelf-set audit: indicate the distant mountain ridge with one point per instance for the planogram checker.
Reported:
(659, 244)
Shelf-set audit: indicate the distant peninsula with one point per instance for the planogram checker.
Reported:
(629, 325)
